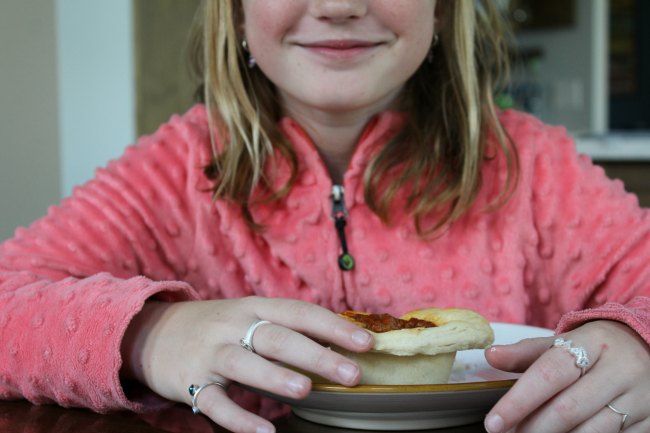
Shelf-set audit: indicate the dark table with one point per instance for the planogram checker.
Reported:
(23, 417)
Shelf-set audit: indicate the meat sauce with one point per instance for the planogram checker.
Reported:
(385, 322)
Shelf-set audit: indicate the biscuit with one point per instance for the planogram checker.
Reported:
(419, 355)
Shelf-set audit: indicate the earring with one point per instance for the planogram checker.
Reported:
(251, 60)
(434, 43)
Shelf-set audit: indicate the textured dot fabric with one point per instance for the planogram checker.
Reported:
(570, 246)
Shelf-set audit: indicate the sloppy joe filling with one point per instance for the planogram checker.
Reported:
(385, 322)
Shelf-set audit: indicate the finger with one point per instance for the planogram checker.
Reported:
(634, 404)
(215, 404)
(605, 420)
(639, 427)
(293, 348)
(575, 405)
(552, 372)
(245, 367)
(289, 347)
(519, 356)
(313, 320)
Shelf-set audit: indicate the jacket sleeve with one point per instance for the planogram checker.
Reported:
(71, 283)
(594, 239)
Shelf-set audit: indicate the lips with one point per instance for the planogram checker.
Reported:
(340, 49)
(340, 44)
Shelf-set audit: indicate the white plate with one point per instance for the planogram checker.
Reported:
(473, 389)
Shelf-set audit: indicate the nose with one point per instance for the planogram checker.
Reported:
(338, 11)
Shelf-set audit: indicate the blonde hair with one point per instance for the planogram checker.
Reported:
(449, 102)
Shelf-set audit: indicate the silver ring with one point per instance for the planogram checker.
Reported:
(196, 390)
(623, 414)
(579, 353)
(247, 341)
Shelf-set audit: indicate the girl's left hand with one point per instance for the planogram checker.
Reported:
(551, 397)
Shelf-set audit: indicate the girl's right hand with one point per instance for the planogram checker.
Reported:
(169, 346)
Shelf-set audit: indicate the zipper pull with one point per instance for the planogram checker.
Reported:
(340, 217)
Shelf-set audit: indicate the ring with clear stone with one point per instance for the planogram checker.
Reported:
(247, 341)
(578, 352)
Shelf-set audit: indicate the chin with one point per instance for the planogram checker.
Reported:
(346, 104)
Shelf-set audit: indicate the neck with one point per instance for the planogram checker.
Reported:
(334, 133)
(335, 139)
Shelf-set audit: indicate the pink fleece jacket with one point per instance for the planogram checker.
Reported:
(570, 246)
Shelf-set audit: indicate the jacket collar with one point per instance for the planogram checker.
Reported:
(376, 134)
(310, 198)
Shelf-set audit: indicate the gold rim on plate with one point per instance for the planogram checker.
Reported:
(441, 387)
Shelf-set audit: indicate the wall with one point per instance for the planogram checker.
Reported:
(29, 149)
(66, 99)
(634, 175)
(96, 82)
(573, 72)
(163, 83)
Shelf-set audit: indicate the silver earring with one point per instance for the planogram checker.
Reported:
(434, 43)
(251, 60)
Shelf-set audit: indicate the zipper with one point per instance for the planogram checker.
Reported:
(340, 217)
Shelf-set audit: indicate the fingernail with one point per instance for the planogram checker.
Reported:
(348, 372)
(361, 338)
(264, 429)
(297, 385)
(494, 424)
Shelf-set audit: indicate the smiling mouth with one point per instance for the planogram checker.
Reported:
(340, 49)
(341, 44)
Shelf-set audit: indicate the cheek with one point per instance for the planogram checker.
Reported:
(421, 22)
(417, 36)
(411, 20)
(421, 41)
(260, 29)
(267, 21)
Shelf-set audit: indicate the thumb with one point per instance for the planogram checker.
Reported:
(519, 356)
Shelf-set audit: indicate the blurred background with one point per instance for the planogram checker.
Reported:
(82, 79)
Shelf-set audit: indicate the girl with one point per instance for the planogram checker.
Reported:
(348, 156)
